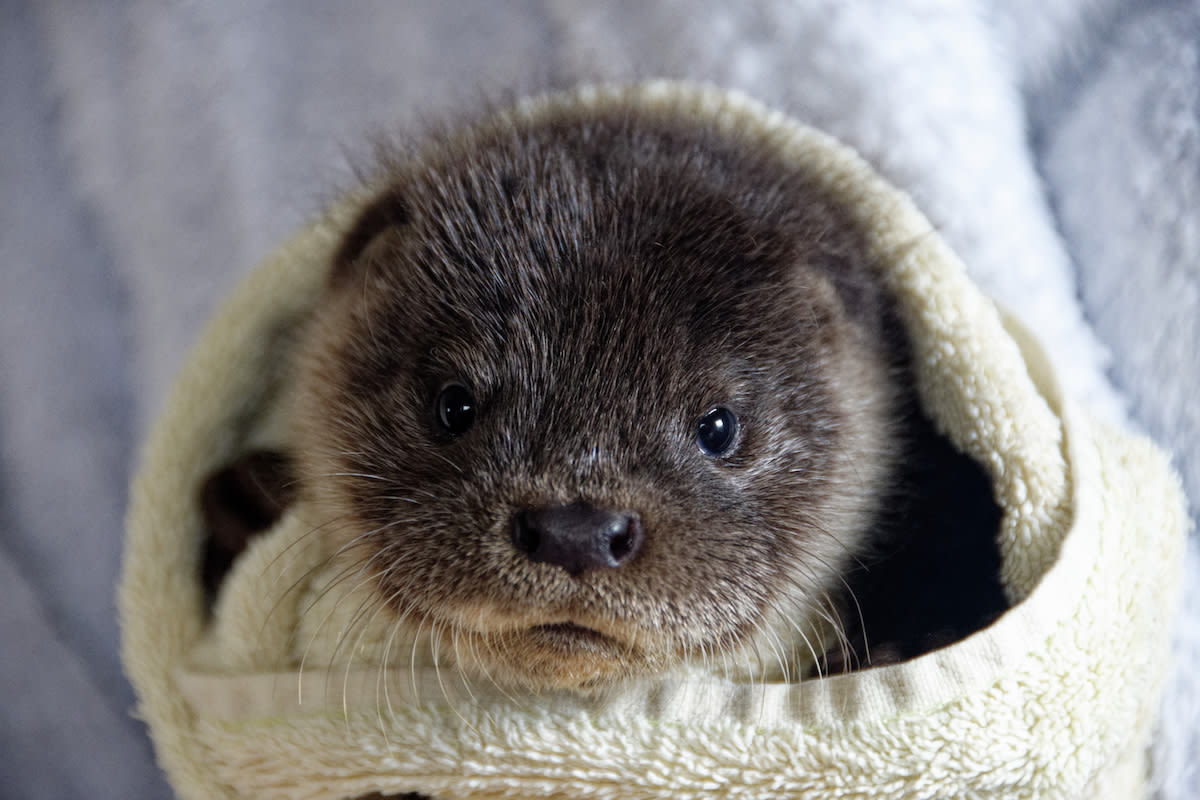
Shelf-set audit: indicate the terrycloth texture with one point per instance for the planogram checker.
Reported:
(1056, 699)
(150, 153)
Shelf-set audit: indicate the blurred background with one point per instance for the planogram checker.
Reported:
(151, 153)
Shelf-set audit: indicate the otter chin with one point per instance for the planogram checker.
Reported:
(596, 391)
(557, 656)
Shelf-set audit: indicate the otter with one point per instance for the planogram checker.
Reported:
(595, 394)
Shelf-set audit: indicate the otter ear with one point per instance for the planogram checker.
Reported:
(385, 213)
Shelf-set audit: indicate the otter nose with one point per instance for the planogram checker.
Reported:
(577, 537)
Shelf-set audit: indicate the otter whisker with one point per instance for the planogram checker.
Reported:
(312, 639)
(398, 623)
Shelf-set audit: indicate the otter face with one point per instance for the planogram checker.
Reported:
(590, 398)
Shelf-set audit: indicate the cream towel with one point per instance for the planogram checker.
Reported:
(296, 689)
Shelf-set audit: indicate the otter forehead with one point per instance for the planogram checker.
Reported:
(604, 246)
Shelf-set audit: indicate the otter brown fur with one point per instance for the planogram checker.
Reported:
(507, 393)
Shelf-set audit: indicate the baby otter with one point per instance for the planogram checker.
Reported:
(594, 394)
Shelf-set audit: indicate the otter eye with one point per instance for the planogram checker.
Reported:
(455, 409)
(716, 431)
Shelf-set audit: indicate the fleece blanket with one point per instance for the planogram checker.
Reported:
(1055, 699)
(151, 153)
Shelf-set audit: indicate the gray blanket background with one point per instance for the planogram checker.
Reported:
(152, 152)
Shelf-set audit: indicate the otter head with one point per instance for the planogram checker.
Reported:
(592, 396)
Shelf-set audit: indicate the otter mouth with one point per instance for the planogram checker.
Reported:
(570, 632)
(570, 640)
